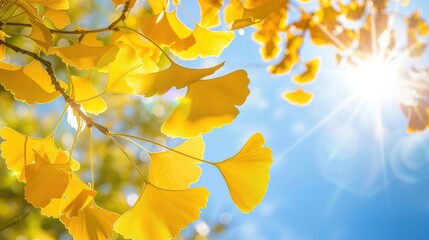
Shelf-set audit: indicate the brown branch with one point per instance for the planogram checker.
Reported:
(111, 27)
(15, 221)
(73, 104)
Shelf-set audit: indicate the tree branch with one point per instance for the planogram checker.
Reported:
(73, 104)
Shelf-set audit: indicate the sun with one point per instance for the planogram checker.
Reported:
(374, 80)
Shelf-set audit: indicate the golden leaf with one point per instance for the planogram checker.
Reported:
(25, 86)
(149, 84)
(54, 4)
(157, 5)
(2, 47)
(83, 90)
(59, 18)
(126, 63)
(310, 74)
(247, 173)
(18, 151)
(210, 12)
(202, 43)
(174, 171)
(46, 180)
(92, 222)
(208, 104)
(87, 57)
(161, 214)
(41, 35)
(298, 97)
(76, 196)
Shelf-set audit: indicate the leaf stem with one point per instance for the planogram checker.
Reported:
(159, 144)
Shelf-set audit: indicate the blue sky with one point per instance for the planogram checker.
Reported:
(331, 177)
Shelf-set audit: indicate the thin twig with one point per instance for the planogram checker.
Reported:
(15, 221)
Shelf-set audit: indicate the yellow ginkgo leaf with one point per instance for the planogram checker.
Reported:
(41, 35)
(92, 222)
(208, 104)
(146, 50)
(126, 63)
(87, 57)
(55, 4)
(298, 97)
(247, 173)
(40, 189)
(59, 18)
(83, 90)
(76, 196)
(210, 12)
(157, 5)
(30, 83)
(202, 43)
(174, 171)
(161, 214)
(149, 84)
(310, 74)
(18, 151)
(164, 28)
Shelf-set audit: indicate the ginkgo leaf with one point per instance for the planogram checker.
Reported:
(202, 43)
(40, 189)
(87, 57)
(55, 4)
(30, 83)
(237, 16)
(208, 104)
(210, 12)
(247, 173)
(298, 97)
(310, 74)
(161, 214)
(92, 222)
(41, 35)
(126, 63)
(174, 171)
(18, 151)
(59, 18)
(291, 57)
(83, 90)
(164, 28)
(149, 84)
(146, 50)
(157, 5)
(76, 196)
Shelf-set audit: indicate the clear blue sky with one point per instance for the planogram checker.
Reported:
(331, 178)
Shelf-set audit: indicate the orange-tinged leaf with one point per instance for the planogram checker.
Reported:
(149, 84)
(30, 83)
(161, 214)
(298, 97)
(83, 90)
(76, 196)
(87, 57)
(210, 12)
(203, 43)
(59, 18)
(310, 74)
(208, 104)
(41, 35)
(247, 173)
(174, 171)
(92, 222)
(18, 151)
(46, 180)
(126, 63)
